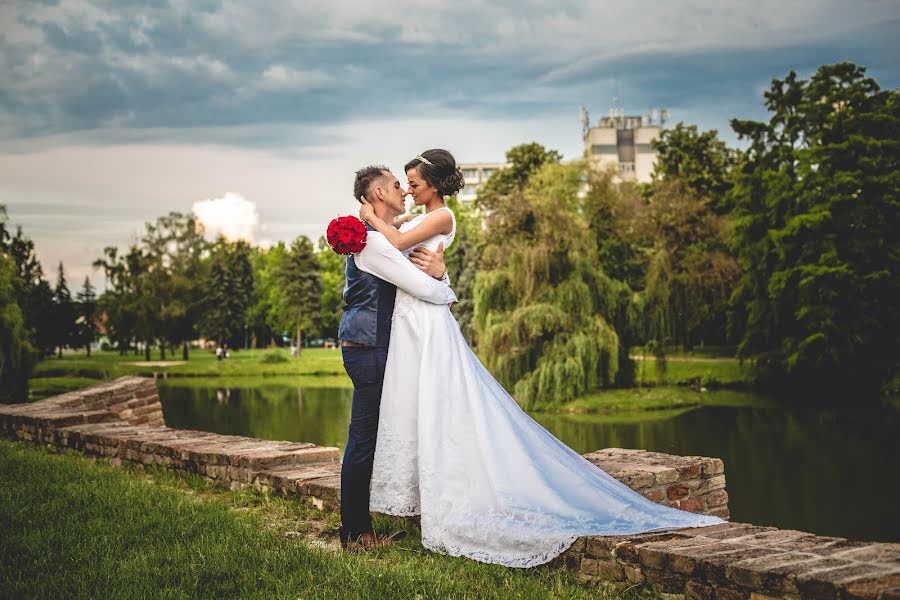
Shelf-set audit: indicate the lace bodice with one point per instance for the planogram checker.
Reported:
(432, 242)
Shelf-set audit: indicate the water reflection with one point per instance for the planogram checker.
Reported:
(273, 412)
(830, 472)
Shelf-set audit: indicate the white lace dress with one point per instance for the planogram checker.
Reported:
(488, 481)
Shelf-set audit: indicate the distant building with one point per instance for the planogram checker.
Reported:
(623, 141)
(475, 174)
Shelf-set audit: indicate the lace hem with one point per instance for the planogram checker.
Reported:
(523, 562)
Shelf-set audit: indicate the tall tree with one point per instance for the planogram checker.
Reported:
(702, 160)
(299, 288)
(228, 291)
(817, 202)
(174, 245)
(63, 312)
(17, 356)
(86, 323)
(690, 273)
(543, 308)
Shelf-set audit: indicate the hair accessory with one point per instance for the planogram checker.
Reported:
(423, 159)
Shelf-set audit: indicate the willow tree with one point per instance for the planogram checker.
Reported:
(542, 304)
(690, 274)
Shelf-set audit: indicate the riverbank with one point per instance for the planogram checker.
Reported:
(77, 527)
(685, 379)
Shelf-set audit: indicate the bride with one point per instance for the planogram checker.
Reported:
(489, 482)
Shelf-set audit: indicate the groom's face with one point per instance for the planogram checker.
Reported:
(393, 195)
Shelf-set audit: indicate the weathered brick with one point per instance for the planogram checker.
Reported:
(677, 491)
(716, 498)
(665, 581)
(655, 495)
(711, 484)
(694, 590)
(713, 466)
(727, 593)
(694, 505)
(688, 472)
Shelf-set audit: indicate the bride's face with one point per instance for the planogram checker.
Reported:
(421, 191)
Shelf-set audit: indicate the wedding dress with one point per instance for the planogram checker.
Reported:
(489, 482)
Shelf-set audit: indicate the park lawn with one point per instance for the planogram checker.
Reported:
(202, 363)
(658, 398)
(705, 372)
(76, 527)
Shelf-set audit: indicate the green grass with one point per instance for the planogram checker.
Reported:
(708, 372)
(202, 363)
(75, 527)
(660, 398)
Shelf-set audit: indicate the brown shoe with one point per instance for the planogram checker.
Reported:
(368, 540)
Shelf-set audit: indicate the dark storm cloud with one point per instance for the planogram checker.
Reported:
(163, 67)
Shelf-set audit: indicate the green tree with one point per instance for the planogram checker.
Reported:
(503, 186)
(85, 324)
(17, 356)
(228, 292)
(463, 260)
(332, 277)
(817, 232)
(33, 293)
(299, 289)
(702, 160)
(690, 273)
(542, 306)
(265, 264)
(116, 304)
(175, 246)
(63, 312)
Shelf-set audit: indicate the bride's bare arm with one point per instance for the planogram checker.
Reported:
(438, 221)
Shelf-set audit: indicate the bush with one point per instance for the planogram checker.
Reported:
(274, 357)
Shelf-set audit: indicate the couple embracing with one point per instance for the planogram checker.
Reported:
(432, 433)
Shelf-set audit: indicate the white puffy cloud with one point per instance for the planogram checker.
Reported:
(232, 216)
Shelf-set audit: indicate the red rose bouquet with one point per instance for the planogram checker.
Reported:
(346, 235)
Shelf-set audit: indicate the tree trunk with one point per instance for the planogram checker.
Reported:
(59, 353)
(162, 350)
(184, 351)
(88, 348)
(147, 351)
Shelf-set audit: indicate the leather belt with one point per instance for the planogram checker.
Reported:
(352, 344)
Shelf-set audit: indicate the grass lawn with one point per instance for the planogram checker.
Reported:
(202, 363)
(707, 372)
(76, 527)
(660, 398)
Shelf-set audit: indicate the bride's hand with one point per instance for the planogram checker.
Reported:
(366, 212)
(398, 221)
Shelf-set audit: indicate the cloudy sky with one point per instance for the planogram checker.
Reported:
(256, 114)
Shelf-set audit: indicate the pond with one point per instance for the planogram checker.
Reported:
(831, 472)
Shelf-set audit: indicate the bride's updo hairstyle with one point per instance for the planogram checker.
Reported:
(438, 168)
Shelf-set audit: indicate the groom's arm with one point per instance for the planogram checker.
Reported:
(382, 260)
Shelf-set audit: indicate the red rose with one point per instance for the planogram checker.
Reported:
(346, 235)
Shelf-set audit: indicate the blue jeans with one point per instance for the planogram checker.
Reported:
(365, 366)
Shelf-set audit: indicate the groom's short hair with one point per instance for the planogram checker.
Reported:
(365, 177)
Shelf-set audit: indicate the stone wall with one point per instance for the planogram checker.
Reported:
(122, 420)
(737, 561)
(692, 483)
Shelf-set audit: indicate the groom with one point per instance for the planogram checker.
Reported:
(373, 277)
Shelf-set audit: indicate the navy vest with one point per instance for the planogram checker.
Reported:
(368, 308)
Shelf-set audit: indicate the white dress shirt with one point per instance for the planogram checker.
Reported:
(381, 259)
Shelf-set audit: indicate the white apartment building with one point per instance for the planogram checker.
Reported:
(475, 174)
(623, 141)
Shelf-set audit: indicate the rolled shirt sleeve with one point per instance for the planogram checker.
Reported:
(381, 259)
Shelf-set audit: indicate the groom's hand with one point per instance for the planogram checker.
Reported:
(430, 262)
